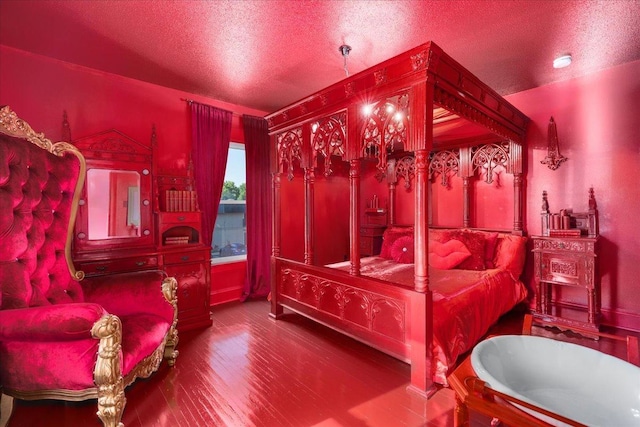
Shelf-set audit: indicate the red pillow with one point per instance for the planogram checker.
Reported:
(390, 235)
(446, 256)
(490, 242)
(402, 250)
(511, 253)
(475, 243)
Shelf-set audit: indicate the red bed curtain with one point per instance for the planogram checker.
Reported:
(257, 284)
(210, 135)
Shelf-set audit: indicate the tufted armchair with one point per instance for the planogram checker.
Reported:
(62, 337)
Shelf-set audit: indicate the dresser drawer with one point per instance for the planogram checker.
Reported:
(566, 269)
(180, 258)
(96, 268)
(177, 218)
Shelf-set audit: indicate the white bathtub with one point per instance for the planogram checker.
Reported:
(576, 382)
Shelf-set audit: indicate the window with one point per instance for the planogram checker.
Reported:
(229, 241)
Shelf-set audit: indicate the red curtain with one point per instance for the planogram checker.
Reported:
(210, 136)
(257, 284)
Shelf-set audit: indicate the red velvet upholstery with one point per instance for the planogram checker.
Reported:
(36, 189)
(61, 338)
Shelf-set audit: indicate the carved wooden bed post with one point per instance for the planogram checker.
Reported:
(466, 172)
(276, 309)
(392, 181)
(309, 181)
(515, 167)
(354, 215)
(421, 335)
(420, 227)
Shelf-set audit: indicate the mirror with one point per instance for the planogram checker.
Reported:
(115, 210)
(113, 204)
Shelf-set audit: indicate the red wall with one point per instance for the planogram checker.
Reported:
(39, 89)
(598, 125)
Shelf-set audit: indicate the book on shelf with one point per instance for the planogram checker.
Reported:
(571, 232)
(176, 240)
(180, 201)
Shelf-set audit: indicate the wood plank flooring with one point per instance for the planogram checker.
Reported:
(248, 370)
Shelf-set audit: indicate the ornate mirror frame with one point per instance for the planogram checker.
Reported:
(113, 150)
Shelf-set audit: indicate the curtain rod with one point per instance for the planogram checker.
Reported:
(189, 101)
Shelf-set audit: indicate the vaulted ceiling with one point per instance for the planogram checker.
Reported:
(266, 54)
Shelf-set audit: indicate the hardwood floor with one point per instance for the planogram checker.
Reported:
(248, 370)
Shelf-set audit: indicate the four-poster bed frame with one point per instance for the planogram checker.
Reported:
(427, 115)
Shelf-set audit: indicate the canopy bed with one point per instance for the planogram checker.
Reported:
(407, 120)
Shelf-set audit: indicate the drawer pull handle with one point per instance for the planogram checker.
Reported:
(185, 258)
(101, 268)
(141, 263)
(181, 218)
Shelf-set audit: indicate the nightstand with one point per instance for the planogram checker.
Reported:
(567, 261)
(371, 239)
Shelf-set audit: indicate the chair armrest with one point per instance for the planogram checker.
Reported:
(126, 294)
(58, 322)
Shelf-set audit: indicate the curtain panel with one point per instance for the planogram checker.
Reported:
(256, 134)
(211, 136)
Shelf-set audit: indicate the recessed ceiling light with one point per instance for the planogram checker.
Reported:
(562, 61)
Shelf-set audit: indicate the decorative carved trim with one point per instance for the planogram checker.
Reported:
(464, 109)
(370, 303)
(170, 292)
(380, 76)
(12, 125)
(112, 145)
(146, 366)
(445, 163)
(564, 245)
(385, 129)
(405, 168)
(108, 373)
(289, 148)
(420, 60)
(329, 139)
(563, 267)
(488, 157)
(349, 89)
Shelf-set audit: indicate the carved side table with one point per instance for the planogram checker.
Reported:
(567, 261)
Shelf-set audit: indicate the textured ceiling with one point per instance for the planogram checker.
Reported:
(266, 54)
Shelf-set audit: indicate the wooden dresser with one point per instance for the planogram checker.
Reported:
(130, 219)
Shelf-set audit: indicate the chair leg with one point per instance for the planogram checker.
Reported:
(170, 352)
(107, 373)
(111, 402)
(6, 408)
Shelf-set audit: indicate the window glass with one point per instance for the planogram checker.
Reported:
(230, 231)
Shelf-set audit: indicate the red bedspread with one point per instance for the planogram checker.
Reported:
(465, 303)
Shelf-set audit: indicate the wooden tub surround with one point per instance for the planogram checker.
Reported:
(473, 394)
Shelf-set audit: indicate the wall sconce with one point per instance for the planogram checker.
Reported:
(554, 159)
